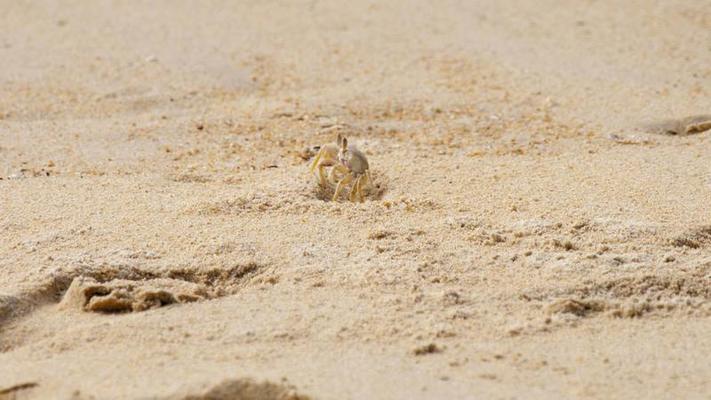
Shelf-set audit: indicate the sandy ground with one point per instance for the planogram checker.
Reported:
(533, 232)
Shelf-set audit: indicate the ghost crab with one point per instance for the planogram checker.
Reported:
(327, 156)
(347, 164)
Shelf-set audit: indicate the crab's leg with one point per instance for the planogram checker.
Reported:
(354, 190)
(316, 159)
(337, 168)
(322, 175)
(357, 191)
(346, 180)
(362, 182)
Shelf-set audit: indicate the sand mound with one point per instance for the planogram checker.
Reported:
(143, 292)
(683, 126)
(16, 391)
(637, 296)
(123, 295)
(694, 238)
(695, 284)
(245, 389)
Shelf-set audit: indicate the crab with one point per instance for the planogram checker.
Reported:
(327, 156)
(355, 166)
(347, 163)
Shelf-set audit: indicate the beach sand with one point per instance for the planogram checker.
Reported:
(539, 224)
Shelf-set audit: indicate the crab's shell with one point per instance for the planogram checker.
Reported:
(355, 161)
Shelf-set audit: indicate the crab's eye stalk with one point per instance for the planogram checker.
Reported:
(344, 144)
(339, 139)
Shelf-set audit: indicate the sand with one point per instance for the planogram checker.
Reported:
(539, 225)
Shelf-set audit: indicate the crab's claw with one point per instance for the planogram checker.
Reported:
(315, 161)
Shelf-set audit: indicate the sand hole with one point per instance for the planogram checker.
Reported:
(375, 191)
